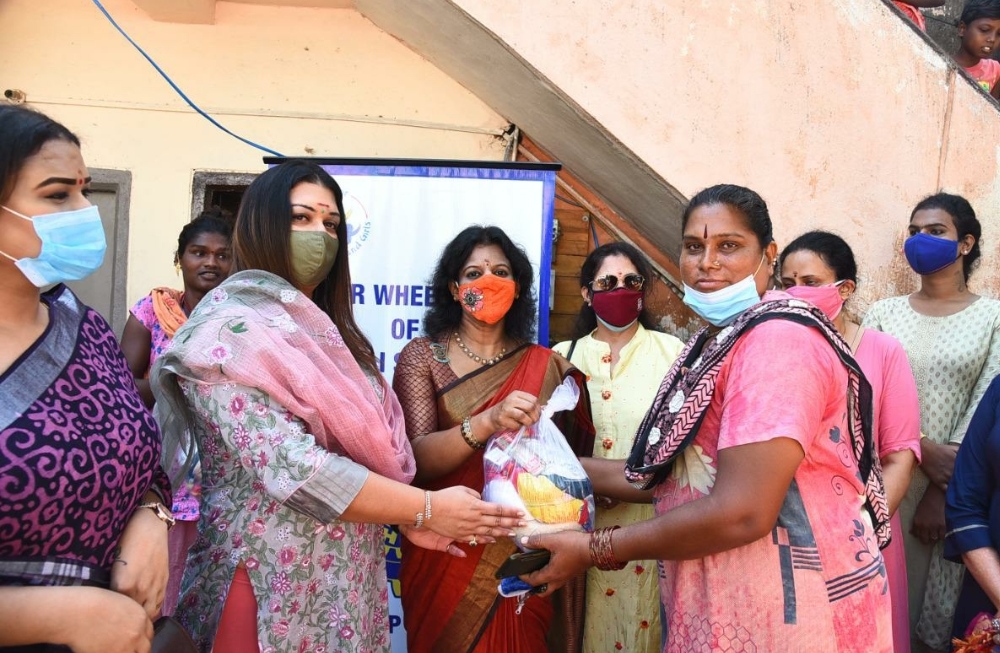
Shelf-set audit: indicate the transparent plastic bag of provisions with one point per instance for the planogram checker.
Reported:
(534, 469)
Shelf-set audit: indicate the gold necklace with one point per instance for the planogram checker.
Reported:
(479, 359)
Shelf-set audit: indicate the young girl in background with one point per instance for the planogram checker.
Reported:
(979, 29)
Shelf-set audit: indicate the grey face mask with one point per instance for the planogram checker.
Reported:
(313, 254)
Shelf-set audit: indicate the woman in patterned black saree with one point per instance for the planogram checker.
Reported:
(83, 562)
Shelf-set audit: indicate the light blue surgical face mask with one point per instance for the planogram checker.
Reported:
(724, 305)
(73, 246)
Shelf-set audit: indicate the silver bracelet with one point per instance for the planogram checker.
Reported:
(426, 514)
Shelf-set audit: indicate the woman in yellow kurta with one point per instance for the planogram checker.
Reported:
(624, 360)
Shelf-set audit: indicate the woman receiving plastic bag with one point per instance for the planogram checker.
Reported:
(770, 509)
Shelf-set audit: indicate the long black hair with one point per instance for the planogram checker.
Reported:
(445, 312)
(262, 237)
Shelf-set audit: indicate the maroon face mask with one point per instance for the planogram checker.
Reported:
(617, 308)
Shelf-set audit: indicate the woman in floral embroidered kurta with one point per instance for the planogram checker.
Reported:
(301, 440)
(323, 582)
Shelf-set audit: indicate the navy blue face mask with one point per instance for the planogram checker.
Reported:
(927, 254)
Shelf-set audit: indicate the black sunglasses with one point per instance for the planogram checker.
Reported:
(632, 282)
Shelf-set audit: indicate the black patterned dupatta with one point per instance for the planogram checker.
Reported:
(673, 420)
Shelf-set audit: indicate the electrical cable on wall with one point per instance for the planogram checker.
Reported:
(593, 232)
(176, 88)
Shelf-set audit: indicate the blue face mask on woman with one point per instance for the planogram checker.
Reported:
(724, 305)
(73, 246)
(927, 254)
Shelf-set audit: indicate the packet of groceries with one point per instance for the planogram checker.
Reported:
(534, 469)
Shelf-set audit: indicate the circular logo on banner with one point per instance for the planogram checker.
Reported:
(359, 227)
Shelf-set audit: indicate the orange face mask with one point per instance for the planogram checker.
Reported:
(487, 298)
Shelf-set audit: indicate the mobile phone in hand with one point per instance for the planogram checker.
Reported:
(521, 563)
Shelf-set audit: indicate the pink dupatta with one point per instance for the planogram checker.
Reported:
(256, 330)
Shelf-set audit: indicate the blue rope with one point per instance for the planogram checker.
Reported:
(593, 232)
(177, 88)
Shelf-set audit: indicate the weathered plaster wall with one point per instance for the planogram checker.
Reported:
(301, 81)
(941, 22)
(837, 113)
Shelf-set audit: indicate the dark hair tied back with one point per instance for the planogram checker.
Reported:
(963, 216)
(209, 221)
(833, 249)
(749, 203)
(23, 132)
(586, 319)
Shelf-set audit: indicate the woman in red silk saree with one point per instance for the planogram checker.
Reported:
(451, 604)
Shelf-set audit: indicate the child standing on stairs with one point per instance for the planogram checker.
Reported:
(979, 29)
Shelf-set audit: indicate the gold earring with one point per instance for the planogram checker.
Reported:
(177, 268)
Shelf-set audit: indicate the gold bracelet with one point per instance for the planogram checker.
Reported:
(161, 511)
(467, 435)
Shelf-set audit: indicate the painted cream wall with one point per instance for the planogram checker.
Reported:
(303, 77)
(841, 116)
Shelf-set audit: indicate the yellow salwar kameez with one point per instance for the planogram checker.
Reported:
(623, 607)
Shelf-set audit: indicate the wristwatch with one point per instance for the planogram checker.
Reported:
(162, 513)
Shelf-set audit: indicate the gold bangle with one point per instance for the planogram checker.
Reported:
(602, 555)
(467, 435)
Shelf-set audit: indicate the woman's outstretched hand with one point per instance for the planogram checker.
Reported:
(426, 539)
(458, 513)
(570, 558)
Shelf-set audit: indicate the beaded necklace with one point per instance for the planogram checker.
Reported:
(476, 357)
